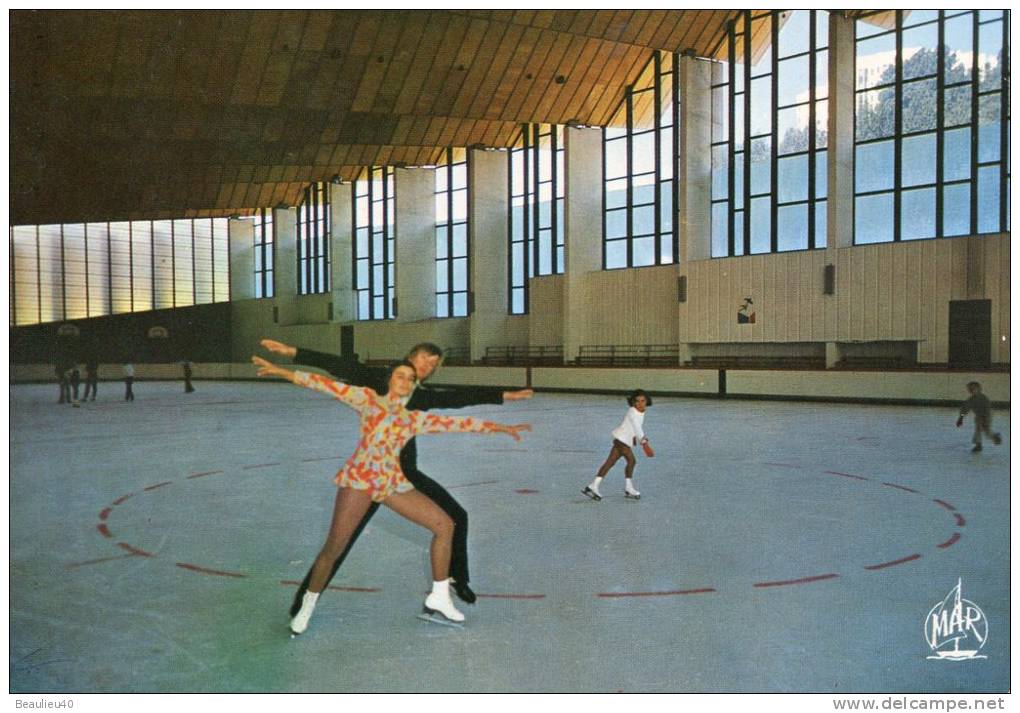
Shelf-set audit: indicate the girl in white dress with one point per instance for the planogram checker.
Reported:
(628, 433)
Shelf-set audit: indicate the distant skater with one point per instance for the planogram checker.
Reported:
(188, 388)
(75, 383)
(982, 408)
(91, 378)
(65, 387)
(129, 380)
(628, 433)
(373, 474)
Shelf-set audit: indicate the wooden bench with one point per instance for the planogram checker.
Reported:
(523, 356)
(758, 362)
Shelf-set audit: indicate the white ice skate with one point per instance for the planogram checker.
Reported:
(631, 492)
(299, 624)
(592, 493)
(439, 609)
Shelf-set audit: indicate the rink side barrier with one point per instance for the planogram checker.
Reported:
(930, 387)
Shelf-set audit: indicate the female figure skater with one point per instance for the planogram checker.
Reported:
(372, 474)
(628, 433)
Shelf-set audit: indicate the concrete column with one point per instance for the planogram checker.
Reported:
(841, 132)
(341, 250)
(416, 244)
(241, 238)
(488, 207)
(583, 225)
(695, 217)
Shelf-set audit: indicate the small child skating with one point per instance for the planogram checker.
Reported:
(982, 408)
(628, 433)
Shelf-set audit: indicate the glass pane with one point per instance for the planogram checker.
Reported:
(793, 130)
(916, 17)
(644, 190)
(821, 228)
(959, 39)
(761, 165)
(918, 160)
(821, 174)
(761, 45)
(792, 176)
(666, 249)
(442, 215)
(460, 205)
(644, 220)
(616, 158)
(720, 172)
(666, 206)
(876, 114)
(738, 232)
(441, 243)
(794, 78)
(873, 219)
(460, 240)
(917, 216)
(761, 106)
(363, 311)
(990, 57)
(644, 252)
(442, 268)
(644, 152)
(794, 32)
(517, 301)
(517, 264)
(460, 305)
(738, 123)
(792, 227)
(989, 128)
(616, 254)
(517, 222)
(460, 175)
(666, 154)
(920, 56)
(822, 72)
(956, 209)
(616, 193)
(874, 167)
(460, 274)
(720, 114)
(719, 229)
(442, 305)
(876, 61)
(761, 225)
(738, 181)
(988, 199)
(821, 124)
(956, 106)
(956, 159)
(920, 104)
(441, 185)
(821, 28)
(616, 223)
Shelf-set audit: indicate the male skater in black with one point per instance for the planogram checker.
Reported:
(425, 358)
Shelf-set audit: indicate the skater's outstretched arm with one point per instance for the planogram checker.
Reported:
(434, 423)
(345, 369)
(461, 396)
(357, 397)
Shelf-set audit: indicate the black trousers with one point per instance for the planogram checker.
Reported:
(437, 494)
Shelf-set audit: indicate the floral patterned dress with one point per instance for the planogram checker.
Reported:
(386, 425)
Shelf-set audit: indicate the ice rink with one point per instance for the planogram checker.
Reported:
(778, 546)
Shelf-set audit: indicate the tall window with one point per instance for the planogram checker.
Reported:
(78, 270)
(313, 240)
(932, 124)
(374, 243)
(265, 257)
(537, 190)
(452, 235)
(640, 162)
(769, 133)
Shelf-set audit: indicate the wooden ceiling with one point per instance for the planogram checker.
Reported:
(156, 114)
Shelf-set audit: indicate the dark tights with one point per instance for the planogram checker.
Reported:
(620, 450)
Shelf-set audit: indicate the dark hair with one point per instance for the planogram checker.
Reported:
(427, 347)
(974, 385)
(638, 392)
(392, 368)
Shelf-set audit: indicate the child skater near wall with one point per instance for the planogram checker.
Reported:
(373, 474)
(982, 408)
(628, 433)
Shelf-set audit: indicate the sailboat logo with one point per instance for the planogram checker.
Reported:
(956, 628)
